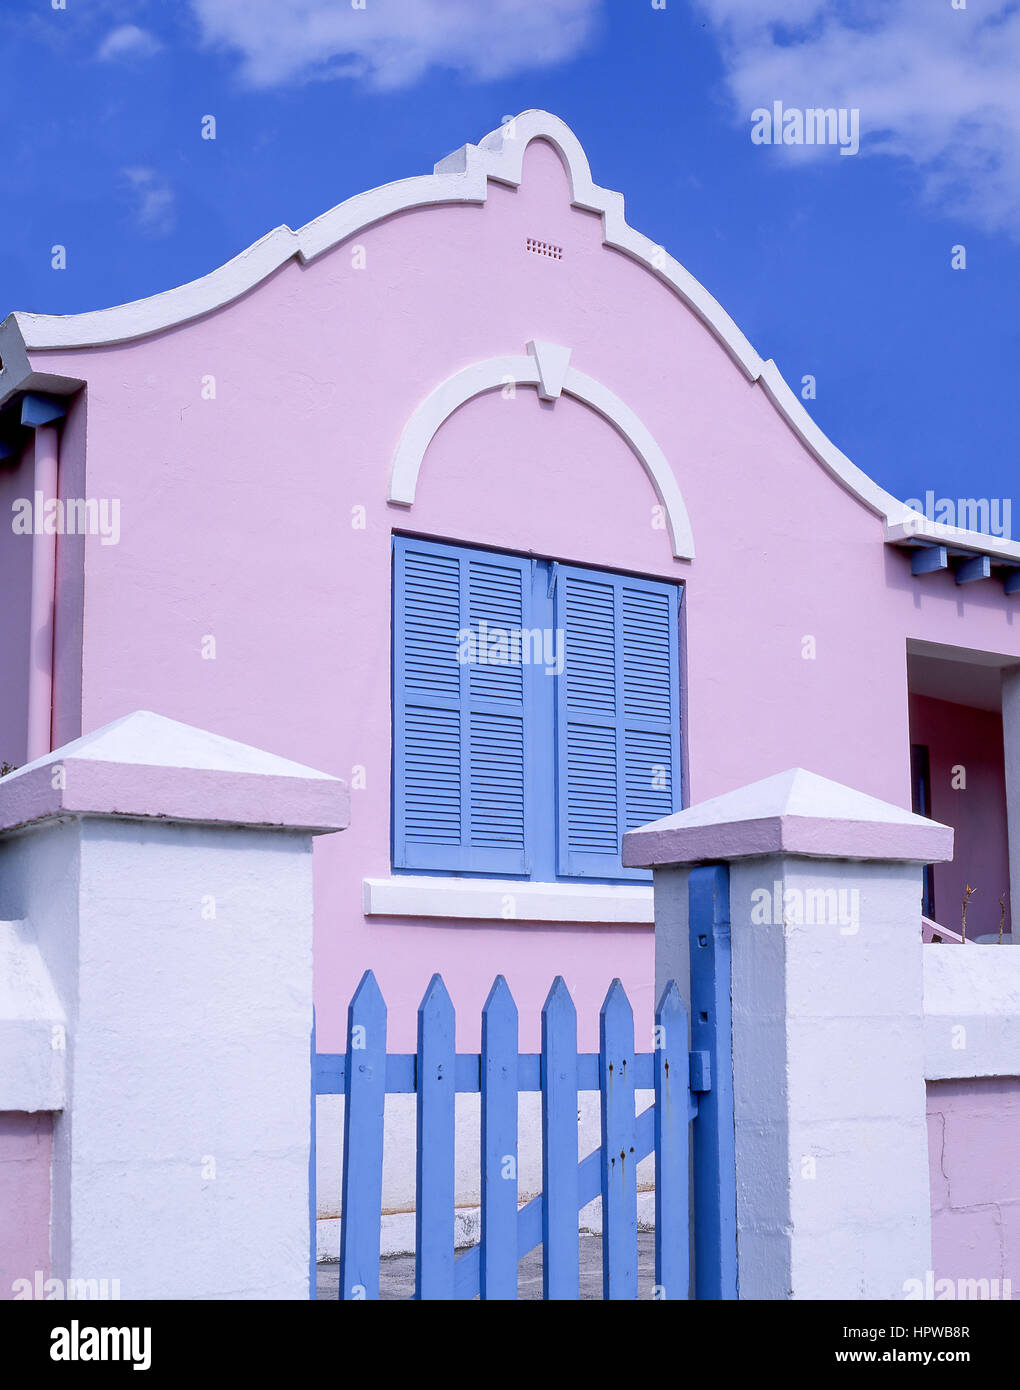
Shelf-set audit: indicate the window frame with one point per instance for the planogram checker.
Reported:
(544, 859)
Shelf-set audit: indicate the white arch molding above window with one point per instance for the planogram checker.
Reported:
(546, 366)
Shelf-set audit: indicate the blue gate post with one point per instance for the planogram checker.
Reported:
(715, 1178)
(673, 1105)
(313, 1268)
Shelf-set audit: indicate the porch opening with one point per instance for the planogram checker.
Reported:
(958, 777)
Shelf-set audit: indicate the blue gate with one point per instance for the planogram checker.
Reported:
(689, 1071)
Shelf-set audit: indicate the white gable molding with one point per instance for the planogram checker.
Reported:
(534, 370)
(833, 460)
(462, 177)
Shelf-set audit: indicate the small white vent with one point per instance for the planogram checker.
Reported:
(545, 248)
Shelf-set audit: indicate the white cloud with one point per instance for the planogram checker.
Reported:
(154, 201)
(392, 43)
(128, 41)
(936, 86)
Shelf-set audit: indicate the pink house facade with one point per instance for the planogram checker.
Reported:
(487, 366)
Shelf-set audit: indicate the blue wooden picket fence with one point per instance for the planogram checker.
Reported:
(690, 1083)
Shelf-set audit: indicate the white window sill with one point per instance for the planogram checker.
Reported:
(508, 900)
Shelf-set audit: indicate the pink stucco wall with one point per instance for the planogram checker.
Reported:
(237, 517)
(958, 736)
(25, 1143)
(973, 1147)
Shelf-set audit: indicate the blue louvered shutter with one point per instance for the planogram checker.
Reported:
(618, 719)
(460, 727)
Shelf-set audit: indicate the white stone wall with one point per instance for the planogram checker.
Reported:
(830, 1093)
(971, 1011)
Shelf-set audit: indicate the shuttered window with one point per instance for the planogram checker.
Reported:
(460, 733)
(617, 734)
(503, 762)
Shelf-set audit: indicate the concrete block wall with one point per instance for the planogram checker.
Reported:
(972, 1068)
(974, 1157)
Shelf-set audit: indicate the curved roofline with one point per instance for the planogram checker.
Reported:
(462, 177)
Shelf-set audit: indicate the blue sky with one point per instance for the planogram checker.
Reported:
(838, 267)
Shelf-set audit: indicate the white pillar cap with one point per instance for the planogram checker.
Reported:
(794, 812)
(145, 766)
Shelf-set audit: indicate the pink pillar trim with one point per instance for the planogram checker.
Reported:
(44, 574)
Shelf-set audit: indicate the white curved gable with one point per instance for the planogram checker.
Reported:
(463, 177)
